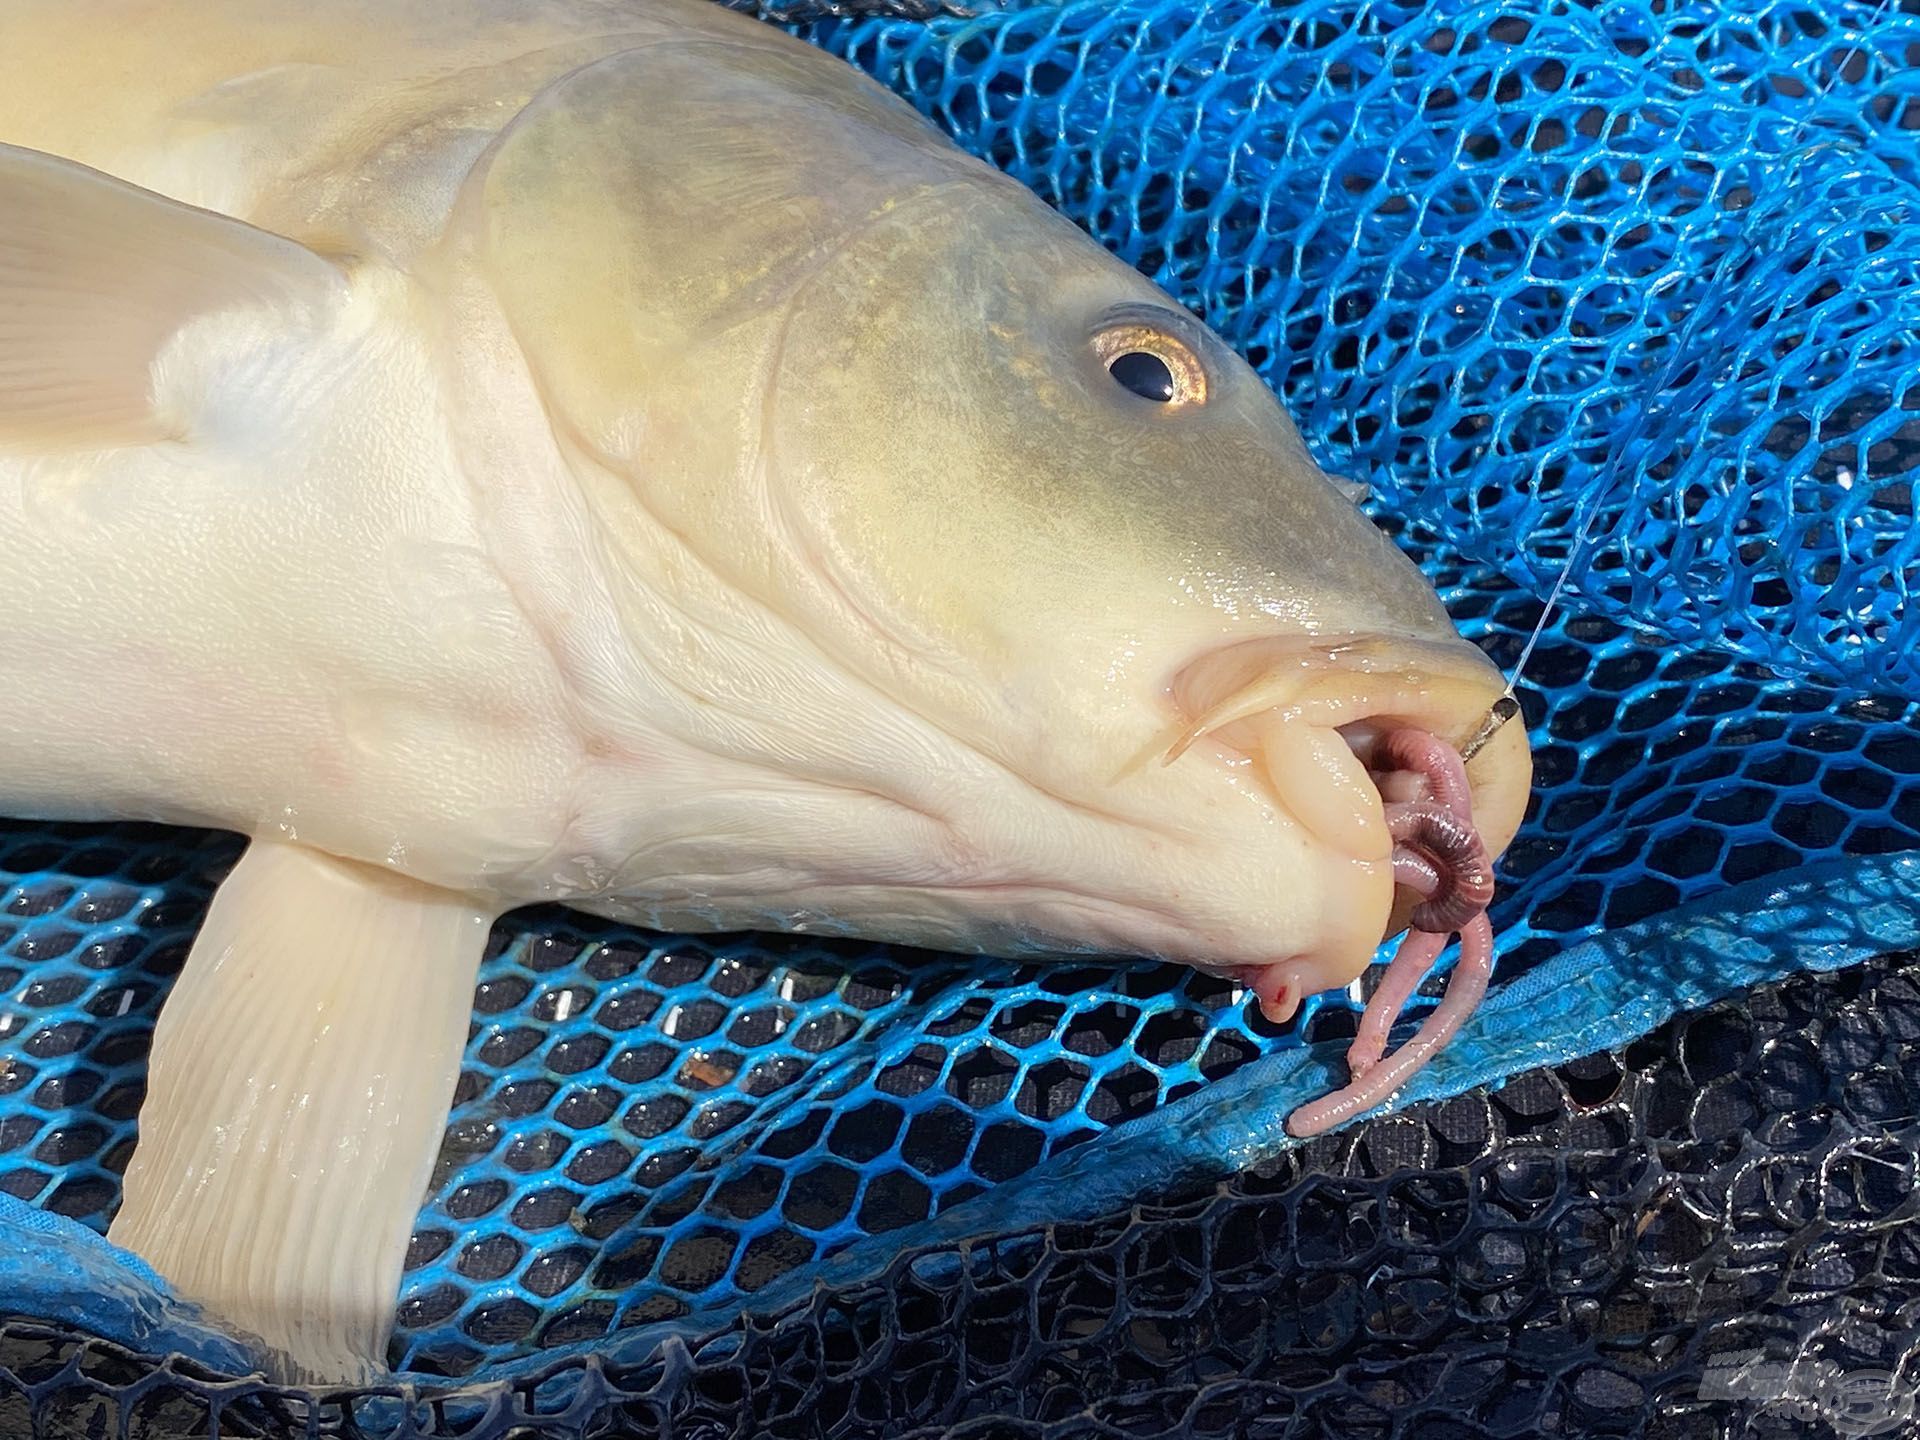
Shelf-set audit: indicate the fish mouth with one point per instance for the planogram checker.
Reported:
(1308, 715)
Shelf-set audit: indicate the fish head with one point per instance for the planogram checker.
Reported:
(1033, 624)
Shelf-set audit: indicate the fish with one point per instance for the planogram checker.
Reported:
(616, 455)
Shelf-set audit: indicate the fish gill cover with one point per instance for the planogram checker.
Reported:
(1647, 272)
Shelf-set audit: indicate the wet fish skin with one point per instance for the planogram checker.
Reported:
(613, 454)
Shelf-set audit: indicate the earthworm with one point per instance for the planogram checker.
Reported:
(1439, 856)
(1433, 842)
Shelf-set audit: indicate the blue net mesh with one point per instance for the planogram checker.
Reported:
(652, 1128)
(1642, 272)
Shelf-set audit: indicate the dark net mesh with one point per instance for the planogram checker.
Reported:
(1638, 269)
(1708, 1233)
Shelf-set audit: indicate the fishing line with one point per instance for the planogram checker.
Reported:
(1508, 705)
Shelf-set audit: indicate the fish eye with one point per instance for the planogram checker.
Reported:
(1151, 363)
(1144, 373)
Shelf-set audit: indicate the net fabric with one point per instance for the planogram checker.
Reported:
(1705, 1234)
(652, 1129)
(658, 1131)
(1639, 272)
(799, 11)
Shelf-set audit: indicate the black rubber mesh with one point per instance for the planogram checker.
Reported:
(1712, 1233)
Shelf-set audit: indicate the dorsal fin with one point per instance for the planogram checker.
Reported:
(95, 276)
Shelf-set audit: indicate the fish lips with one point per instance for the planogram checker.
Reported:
(1307, 712)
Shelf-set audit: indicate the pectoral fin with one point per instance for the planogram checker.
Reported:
(95, 276)
(299, 1084)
